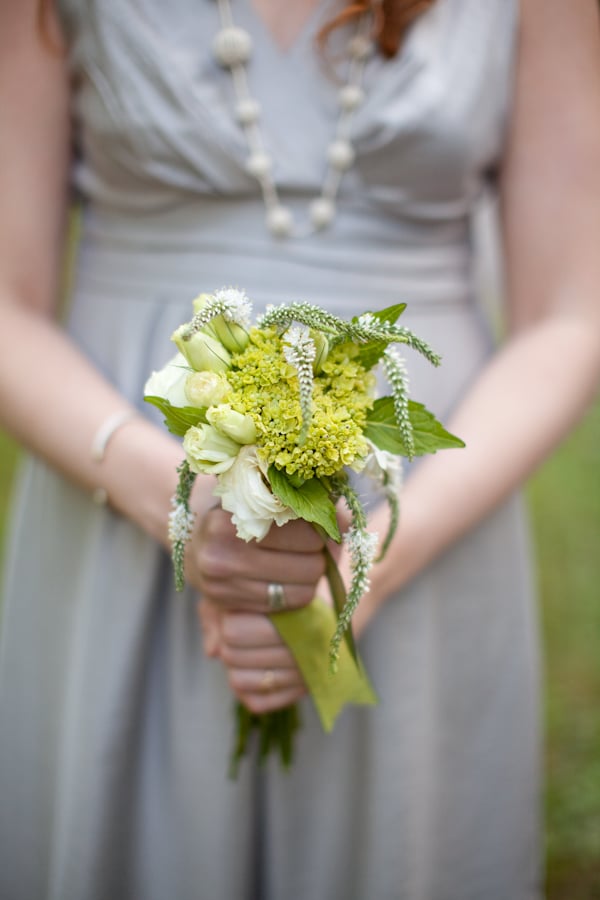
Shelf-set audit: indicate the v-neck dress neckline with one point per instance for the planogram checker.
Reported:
(316, 17)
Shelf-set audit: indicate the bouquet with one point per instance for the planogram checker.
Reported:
(281, 412)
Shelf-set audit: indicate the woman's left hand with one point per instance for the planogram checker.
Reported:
(261, 671)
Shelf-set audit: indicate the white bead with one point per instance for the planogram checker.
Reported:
(322, 212)
(247, 111)
(232, 46)
(280, 221)
(350, 97)
(259, 164)
(360, 47)
(340, 155)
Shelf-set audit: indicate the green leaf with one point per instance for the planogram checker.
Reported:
(307, 632)
(295, 480)
(371, 353)
(310, 501)
(390, 314)
(429, 434)
(178, 418)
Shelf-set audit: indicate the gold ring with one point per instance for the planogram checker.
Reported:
(276, 597)
(267, 682)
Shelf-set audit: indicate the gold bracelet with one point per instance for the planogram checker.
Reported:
(101, 441)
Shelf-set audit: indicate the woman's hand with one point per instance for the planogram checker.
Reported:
(261, 671)
(235, 575)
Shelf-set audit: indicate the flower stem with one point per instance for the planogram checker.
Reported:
(338, 593)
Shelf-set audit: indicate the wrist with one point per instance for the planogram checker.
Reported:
(138, 476)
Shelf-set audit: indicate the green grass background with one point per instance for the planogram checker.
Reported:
(565, 505)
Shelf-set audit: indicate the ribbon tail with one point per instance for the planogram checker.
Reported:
(307, 632)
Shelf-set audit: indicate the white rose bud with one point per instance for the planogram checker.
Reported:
(321, 350)
(198, 304)
(208, 450)
(204, 389)
(169, 382)
(235, 425)
(231, 335)
(203, 352)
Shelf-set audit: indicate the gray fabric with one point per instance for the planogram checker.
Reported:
(114, 728)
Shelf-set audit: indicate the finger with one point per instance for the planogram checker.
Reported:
(250, 630)
(211, 621)
(251, 595)
(216, 521)
(264, 681)
(298, 535)
(223, 560)
(256, 657)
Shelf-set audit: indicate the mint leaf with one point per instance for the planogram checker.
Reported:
(310, 501)
(371, 353)
(429, 434)
(390, 314)
(178, 418)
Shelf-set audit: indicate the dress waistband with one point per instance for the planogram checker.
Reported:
(215, 242)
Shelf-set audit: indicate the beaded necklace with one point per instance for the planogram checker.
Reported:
(232, 48)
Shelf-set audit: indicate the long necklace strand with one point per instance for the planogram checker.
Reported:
(232, 48)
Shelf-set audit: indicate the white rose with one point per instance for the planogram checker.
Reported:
(243, 493)
(207, 450)
(169, 382)
(202, 351)
(204, 389)
(380, 464)
(236, 425)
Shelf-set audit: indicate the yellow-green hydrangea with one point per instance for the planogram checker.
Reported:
(265, 387)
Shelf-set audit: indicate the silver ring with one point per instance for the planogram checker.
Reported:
(276, 597)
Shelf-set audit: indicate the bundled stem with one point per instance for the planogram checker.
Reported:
(362, 545)
(275, 732)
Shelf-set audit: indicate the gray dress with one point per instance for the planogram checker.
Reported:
(114, 728)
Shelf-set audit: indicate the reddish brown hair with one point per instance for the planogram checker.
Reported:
(391, 20)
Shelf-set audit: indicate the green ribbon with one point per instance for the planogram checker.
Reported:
(307, 632)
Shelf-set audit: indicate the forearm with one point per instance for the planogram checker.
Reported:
(53, 401)
(521, 406)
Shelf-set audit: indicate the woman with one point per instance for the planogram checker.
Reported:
(115, 721)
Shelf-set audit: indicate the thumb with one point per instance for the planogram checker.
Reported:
(210, 620)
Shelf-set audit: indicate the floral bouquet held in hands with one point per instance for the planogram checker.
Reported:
(280, 412)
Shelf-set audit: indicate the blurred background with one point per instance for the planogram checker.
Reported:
(564, 499)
